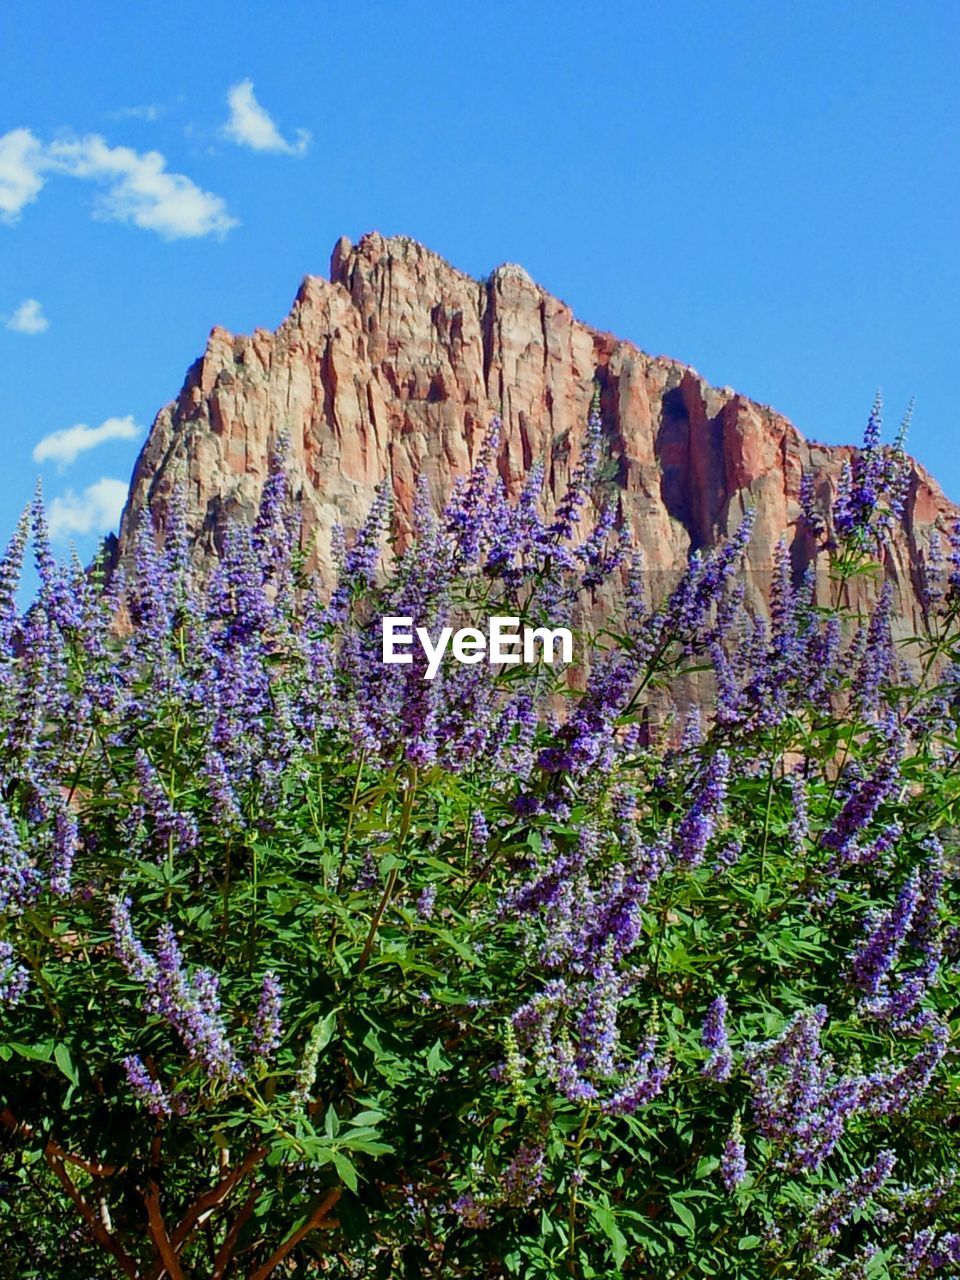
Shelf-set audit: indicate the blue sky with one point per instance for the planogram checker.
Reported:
(767, 192)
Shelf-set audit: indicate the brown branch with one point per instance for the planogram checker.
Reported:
(315, 1222)
(225, 1255)
(215, 1196)
(94, 1169)
(57, 1159)
(385, 899)
(99, 1231)
(158, 1231)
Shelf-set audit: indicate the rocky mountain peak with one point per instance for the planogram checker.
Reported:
(395, 365)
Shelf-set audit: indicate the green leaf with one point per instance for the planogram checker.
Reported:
(327, 1028)
(331, 1122)
(61, 1056)
(605, 1220)
(683, 1213)
(372, 1117)
(346, 1170)
(36, 1053)
(436, 1062)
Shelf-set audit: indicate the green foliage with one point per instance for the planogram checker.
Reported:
(407, 1125)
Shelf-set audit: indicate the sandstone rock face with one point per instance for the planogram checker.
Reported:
(396, 365)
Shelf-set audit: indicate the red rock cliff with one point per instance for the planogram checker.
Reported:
(395, 366)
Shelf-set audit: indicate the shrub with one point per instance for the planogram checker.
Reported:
(308, 962)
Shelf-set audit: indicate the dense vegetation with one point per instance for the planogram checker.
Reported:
(310, 965)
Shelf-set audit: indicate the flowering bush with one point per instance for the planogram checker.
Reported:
(308, 963)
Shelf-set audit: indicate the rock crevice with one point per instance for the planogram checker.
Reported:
(396, 365)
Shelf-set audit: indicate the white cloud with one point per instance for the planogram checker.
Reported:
(65, 445)
(21, 170)
(28, 318)
(251, 126)
(139, 188)
(96, 510)
(141, 191)
(150, 111)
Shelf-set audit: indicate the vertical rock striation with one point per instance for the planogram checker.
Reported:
(397, 363)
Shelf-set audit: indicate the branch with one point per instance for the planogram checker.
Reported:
(102, 1236)
(57, 1159)
(313, 1223)
(94, 1169)
(215, 1196)
(158, 1231)
(225, 1255)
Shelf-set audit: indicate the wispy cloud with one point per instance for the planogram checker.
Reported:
(96, 510)
(28, 318)
(66, 445)
(250, 125)
(150, 111)
(139, 188)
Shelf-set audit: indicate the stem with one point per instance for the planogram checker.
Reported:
(574, 1186)
(766, 815)
(228, 1248)
(391, 884)
(205, 1204)
(349, 830)
(225, 916)
(377, 917)
(76, 777)
(650, 672)
(256, 881)
(479, 875)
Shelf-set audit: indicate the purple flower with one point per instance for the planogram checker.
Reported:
(878, 662)
(873, 486)
(170, 825)
(933, 572)
(644, 1082)
(471, 1211)
(479, 832)
(426, 900)
(14, 978)
(191, 1007)
(876, 953)
(135, 959)
(798, 1103)
(267, 1027)
(598, 1034)
(800, 816)
(714, 1038)
(11, 566)
(927, 1252)
(835, 1210)
(810, 510)
(699, 824)
(733, 1162)
(19, 878)
(522, 1180)
(147, 1090)
(861, 807)
(64, 851)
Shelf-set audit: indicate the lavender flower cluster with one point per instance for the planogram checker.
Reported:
(191, 1006)
(653, 881)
